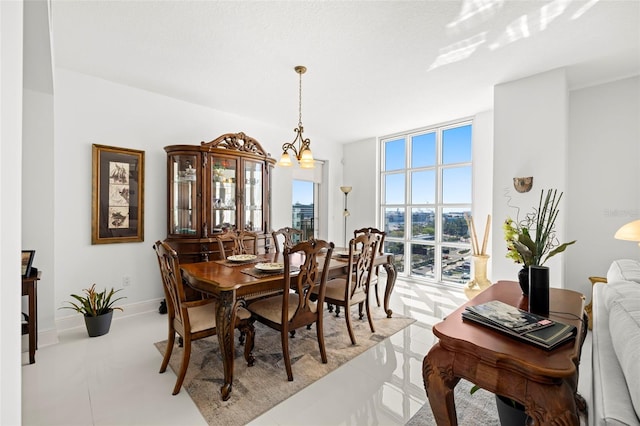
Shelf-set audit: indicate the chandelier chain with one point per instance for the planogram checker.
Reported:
(300, 101)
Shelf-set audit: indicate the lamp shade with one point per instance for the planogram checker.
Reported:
(629, 232)
(285, 160)
(306, 159)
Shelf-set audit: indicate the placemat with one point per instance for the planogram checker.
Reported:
(257, 273)
(226, 262)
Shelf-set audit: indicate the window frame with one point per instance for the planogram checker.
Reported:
(438, 206)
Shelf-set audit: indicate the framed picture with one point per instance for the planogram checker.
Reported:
(27, 260)
(118, 195)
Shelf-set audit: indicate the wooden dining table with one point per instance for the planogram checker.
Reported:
(233, 284)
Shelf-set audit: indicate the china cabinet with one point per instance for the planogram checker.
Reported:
(214, 186)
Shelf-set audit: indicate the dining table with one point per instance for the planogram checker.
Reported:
(235, 283)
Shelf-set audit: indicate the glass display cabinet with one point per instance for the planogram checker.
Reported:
(217, 185)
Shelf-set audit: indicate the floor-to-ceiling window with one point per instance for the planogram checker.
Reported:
(425, 201)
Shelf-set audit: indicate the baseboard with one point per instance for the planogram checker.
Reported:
(74, 321)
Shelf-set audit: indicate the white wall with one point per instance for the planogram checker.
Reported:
(361, 172)
(90, 110)
(38, 200)
(11, 53)
(530, 124)
(604, 181)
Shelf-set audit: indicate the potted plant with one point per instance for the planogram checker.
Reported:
(97, 309)
(532, 240)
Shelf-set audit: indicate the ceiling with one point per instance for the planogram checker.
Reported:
(374, 67)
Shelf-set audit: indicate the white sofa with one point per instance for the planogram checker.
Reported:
(616, 346)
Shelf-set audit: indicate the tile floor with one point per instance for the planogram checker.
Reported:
(114, 380)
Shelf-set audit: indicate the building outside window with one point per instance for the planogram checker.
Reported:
(426, 191)
(303, 211)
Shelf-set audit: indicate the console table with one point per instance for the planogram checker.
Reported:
(30, 289)
(545, 382)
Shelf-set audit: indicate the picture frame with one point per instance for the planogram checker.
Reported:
(27, 261)
(117, 195)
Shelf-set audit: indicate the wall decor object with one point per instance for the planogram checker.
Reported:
(27, 260)
(523, 184)
(117, 214)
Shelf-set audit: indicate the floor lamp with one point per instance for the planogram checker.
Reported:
(346, 190)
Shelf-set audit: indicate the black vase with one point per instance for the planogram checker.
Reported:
(539, 290)
(97, 326)
(511, 413)
(523, 280)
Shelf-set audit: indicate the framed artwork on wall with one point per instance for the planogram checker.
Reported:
(27, 261)
(117, 213)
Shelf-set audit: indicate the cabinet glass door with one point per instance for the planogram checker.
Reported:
(253, 196)
(183, 203)
(223, 194)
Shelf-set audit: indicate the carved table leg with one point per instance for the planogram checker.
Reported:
(439, 382)
(225, 319)
(390, 268)
(551, 405)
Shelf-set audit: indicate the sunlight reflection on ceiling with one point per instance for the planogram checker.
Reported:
(474, 12)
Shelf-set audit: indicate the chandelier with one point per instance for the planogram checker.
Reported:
(301, 151)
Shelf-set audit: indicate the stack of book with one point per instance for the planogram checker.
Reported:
(522, 325)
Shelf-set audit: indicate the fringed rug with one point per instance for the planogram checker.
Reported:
(477, 409)
(256, 389)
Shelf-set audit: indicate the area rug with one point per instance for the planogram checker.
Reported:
(477, 409)
(257, 389)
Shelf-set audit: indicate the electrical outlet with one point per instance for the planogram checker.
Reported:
(126, 281)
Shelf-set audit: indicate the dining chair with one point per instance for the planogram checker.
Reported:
(353, 289)
(381, 234)
(287, 235)
(238, 242)
(192, 319)
(296, 306)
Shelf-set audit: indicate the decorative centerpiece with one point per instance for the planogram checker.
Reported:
(532, 240)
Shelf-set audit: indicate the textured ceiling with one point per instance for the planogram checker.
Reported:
(374, 68)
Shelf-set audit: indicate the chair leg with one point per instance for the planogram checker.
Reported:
(347, 316)
(167, 352)
(360, 310)
(377, 295)
(369, 317)
(183, 367)
(285, 353)
(320, 333)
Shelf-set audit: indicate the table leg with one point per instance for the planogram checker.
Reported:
(33, 318)
(390, 268)
(439, 382)
(225, 318)
(552, 404)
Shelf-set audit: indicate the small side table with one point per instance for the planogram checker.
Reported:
(588, 308)
(30, 289)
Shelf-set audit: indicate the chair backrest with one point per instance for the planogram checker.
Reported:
(287, 235)
(362, 253)
(242, 242)
(381, 235)
(309, 277)
(171, 279)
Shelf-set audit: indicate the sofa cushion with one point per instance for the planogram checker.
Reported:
(624, 270)
(624, 326)
(621, 290)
